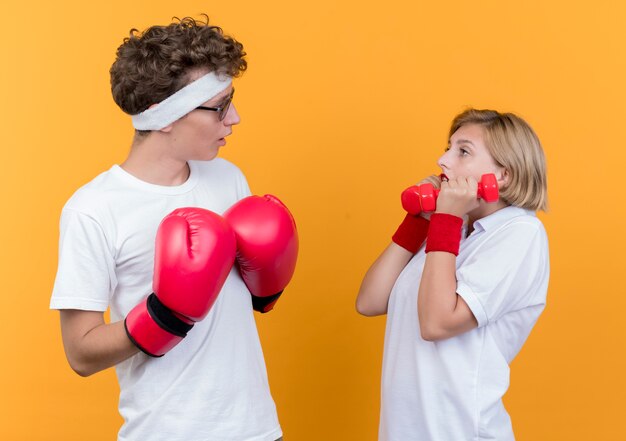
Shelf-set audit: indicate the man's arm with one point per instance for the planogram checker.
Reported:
(90, 344)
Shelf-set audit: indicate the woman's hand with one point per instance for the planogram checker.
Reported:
(435, 181)
(458, 196)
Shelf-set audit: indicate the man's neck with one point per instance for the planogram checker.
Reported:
(150, 162)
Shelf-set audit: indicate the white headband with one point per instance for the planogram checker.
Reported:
(181, 103)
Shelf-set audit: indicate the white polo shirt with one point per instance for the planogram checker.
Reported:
(451, 390)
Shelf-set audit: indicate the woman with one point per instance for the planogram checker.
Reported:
(461, 306)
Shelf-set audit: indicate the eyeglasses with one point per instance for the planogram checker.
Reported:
(222, 109)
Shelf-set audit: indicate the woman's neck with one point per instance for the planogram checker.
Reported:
(485, 209)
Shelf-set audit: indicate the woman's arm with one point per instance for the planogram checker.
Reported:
(376, 287)
(442, 312)
(90, 344)
(379, 280)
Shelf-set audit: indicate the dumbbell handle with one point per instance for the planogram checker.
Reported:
(423, 197)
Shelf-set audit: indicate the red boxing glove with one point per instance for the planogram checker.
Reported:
(267, 247)
(195, 250)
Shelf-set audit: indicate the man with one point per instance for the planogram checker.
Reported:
(176, 383)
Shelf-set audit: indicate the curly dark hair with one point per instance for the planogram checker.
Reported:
(152, 65)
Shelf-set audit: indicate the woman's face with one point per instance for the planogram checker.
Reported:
(467, 155)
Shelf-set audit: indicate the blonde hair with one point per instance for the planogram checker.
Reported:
(513, 145)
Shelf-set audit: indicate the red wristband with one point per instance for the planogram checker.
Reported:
(444, 233)
(411, 233)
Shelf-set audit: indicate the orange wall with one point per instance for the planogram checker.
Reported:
(344, 105)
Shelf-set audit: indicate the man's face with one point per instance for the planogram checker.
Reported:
(200, 134)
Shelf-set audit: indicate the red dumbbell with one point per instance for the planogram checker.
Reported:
(418, 198)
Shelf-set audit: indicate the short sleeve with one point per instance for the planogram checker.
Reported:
(243, 189)
(86, 271)
(508, 272)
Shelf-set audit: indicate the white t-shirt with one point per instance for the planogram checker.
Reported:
(211, 386)
(451, 390)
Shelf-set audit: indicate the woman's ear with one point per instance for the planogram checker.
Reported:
(503, 179)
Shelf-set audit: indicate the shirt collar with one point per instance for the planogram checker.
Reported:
(500, 217)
